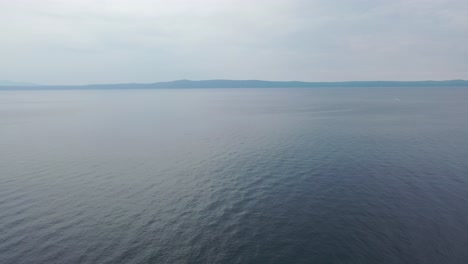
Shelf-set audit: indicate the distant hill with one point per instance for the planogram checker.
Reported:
(248, 84)
(11, 83)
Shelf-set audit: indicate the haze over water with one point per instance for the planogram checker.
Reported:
(234, 176)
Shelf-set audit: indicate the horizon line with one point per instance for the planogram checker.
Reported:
(22, 84)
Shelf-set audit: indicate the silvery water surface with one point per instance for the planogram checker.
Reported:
(329, 175)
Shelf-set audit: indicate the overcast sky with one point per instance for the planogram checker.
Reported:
(115, 41)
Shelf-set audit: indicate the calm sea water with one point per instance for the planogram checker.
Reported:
(234, 176)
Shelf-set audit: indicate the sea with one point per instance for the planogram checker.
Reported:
(263, 175)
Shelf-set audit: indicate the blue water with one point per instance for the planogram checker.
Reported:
(234, 176)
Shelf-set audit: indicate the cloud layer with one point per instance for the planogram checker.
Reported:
(88, 41)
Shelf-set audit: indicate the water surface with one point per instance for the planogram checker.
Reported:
(234, 176)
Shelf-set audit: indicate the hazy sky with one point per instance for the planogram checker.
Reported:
(114, 41)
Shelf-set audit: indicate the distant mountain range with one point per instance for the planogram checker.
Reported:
(240, 84)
